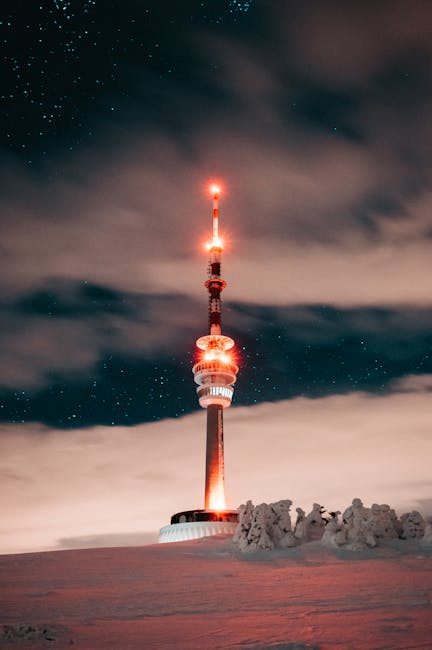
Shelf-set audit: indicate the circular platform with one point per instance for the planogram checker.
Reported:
(194, 530)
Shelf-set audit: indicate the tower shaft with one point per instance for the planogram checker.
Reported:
(215, 372)
(214, 494)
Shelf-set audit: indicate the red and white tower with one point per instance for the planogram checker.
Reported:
(215, 373)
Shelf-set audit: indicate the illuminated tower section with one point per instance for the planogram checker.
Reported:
(215, 373)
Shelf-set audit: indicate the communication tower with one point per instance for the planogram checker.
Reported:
(215, 373)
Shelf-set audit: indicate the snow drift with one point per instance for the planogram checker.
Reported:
(207, 595)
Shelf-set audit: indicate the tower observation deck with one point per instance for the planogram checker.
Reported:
(215, 374)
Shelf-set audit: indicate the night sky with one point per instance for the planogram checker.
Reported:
(315, 118)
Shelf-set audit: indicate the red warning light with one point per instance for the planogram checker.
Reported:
(215, 189)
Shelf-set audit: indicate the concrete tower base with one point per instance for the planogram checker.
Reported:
(195, 530)
(193, 524)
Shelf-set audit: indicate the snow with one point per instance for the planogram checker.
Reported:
(207, 595)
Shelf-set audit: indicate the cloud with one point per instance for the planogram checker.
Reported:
(77, 354)
(413, 384)
(67, 328)
(276, 273)
(74, 336)
(118, 481)
(327, 192)
(348, 44)
(298, 229)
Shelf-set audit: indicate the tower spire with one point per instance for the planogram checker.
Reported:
(216, 372)
(215, 190)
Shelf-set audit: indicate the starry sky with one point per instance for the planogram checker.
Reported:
(315, 118)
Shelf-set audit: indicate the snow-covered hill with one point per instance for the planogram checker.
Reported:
(205, 595)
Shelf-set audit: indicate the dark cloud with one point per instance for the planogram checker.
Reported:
(316, 117)
(350, 44)
(303, 230)
(69, 328)
(81, 354)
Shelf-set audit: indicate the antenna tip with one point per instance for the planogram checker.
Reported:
(215, 190)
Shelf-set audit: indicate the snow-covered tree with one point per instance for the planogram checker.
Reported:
(413, 525)
(335, 533)
(300, 525)
(426, 540)
(314, 523)
(258, 537)
(269, 526)
(245, 522)
(281, 530)
(264, 526)
(358, 529)
(382, 522)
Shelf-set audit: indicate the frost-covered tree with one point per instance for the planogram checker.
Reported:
(264, 526)
(245, 522)
(382, 522)
(413, 525)
(359, 533)
(335, 534)
(281, 530)
(396, 522)
(269, 526)
(314, 523)
(258, 537)
(300, 525)
(426, 540)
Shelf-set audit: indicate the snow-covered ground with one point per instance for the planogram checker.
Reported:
(205, 595)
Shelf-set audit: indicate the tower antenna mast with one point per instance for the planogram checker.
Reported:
(215, 373)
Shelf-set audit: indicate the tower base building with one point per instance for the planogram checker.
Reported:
(193, 524)
(215, 373)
